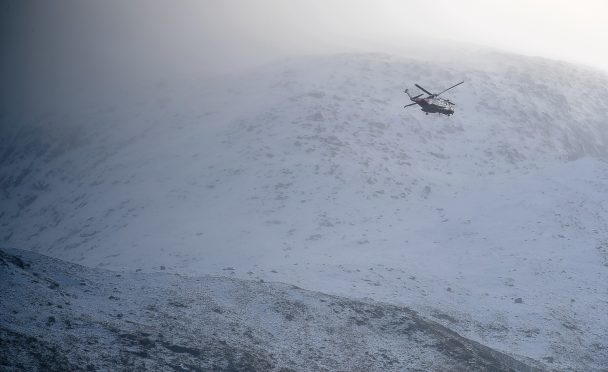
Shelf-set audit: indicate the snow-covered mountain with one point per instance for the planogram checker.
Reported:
(310, 172)
(61, 316)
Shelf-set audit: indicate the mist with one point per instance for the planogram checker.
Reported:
(69, 41)
(68, 55)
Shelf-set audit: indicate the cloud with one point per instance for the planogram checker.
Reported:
(49, 44)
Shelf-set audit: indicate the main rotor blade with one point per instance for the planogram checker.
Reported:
(424, 90)
(411, 104)
(453, 86)
(414, 97)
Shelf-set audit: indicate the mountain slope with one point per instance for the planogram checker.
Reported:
(58, 316)
(310, 172)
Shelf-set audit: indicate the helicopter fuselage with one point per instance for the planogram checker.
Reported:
(435, 105)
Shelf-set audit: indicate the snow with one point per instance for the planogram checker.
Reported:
(309, 172)
(58, 316)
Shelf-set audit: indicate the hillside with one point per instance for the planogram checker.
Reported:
(309, 172)
(59, 316)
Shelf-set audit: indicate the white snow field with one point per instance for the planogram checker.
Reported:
(308, 171)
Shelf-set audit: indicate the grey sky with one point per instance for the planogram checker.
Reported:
(575, 31)
(77, 38)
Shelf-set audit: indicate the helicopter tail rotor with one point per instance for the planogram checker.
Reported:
(407, 91)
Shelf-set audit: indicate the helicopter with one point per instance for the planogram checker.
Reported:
(432, 103)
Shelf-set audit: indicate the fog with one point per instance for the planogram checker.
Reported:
(78, 45)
